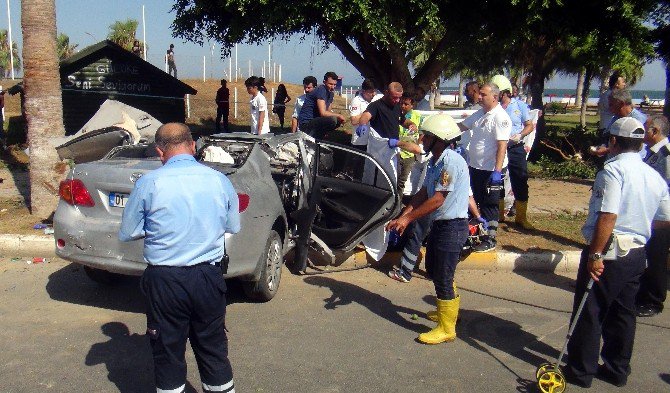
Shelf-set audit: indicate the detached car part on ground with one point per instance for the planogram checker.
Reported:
(294, 193)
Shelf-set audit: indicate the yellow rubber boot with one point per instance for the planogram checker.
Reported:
(447, 313)
(521, 217)
(432, 315)
(501, 210)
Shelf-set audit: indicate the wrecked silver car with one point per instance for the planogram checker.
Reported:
(295, 195)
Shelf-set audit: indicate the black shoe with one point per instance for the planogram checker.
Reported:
(647, 310)
(610, 377)
(582, 381)
(486, 245)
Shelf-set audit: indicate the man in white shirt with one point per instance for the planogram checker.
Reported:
(308, 84)
(359, 104)
(258, 107)
(487, 155)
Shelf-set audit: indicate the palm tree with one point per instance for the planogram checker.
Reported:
(123, 33)
(4, 54)
(44, 108)
(64, 48)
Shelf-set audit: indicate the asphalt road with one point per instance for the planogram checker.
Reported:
(341, 332)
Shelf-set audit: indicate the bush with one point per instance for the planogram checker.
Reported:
(546, 168)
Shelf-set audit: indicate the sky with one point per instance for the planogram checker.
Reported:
(87, 22)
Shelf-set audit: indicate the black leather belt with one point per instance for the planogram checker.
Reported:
(514, 145)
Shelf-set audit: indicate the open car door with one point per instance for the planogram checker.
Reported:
(353, 196)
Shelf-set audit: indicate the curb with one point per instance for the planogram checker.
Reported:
(545, 261)
(27, 245)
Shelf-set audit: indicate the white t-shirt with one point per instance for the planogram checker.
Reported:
(487, 129)
(259, 104)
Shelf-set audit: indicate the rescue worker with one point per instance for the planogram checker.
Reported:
(444, 196)
(183, 210)
(486, 148)
(628, 197)
(654, 282)
(517, 167)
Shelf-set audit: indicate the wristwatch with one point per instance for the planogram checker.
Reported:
(596, 256)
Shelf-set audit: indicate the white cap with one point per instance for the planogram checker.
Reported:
(627, 127)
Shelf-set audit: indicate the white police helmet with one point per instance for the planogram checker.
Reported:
(442, 126)
(502, 82)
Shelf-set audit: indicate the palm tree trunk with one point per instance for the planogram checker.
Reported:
(461, 84)
(44, 108)
(587, 75)
(580, 86)
(666, 107)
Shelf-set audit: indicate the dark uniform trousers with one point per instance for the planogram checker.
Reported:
(318, 127)
(518, 171)
(487, 201)
(443, 251)
(654, 281)
(609, 313)
(222, 113)
(187, 303)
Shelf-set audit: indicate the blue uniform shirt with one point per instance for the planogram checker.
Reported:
(519, 114)
(634, 192)
(449, 173)
(183, 211)
(309, 109)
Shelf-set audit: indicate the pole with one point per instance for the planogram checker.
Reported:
(144, 34)
(11, 46)
(204, 68)
(269, 57)
(235, 110)
(211, 63)
(263, 70)
(272, 94)
(230, 69)
(249, 68)
(188, 105)
(280, 73)
(236, 65)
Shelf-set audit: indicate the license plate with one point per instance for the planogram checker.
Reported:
(117, 199)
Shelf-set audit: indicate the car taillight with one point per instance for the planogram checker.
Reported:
(75, 193)
(243, 202)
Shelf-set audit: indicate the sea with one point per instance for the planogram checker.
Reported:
(554, 94)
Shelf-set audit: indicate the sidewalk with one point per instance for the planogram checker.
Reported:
(549, 261)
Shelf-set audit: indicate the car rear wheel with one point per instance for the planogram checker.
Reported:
(271, 264)
(102, 276)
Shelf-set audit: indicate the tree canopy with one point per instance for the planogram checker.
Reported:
(415, 41)
(64, 48)
(123, 33)
(4, 54)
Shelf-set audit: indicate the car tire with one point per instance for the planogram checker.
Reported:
(102, 276)
(271, 265)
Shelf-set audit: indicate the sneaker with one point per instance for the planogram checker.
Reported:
(486, 245)
(400, 275)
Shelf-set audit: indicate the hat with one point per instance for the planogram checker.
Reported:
(627, 127)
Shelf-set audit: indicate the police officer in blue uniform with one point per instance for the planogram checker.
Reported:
(627, 196)
(182, 211)
(517, 167)
(444, 195)
(654, 282)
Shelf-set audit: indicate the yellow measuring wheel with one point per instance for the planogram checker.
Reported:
(550, 380)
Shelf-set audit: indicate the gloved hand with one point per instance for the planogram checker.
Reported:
(362, 129)
(393, 143)
(496, 178)
(485, 224)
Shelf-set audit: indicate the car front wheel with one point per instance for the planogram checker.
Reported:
(271, 264)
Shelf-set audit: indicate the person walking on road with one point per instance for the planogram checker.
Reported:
(628, 197)
(222, 107)
(444, 196)
(169, 56)
(654, 282)
(490, 128)
(183, 211)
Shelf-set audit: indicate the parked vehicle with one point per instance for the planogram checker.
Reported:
(294, 194)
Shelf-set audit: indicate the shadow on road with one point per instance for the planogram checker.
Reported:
(127, 358)
(70, 284)
(548, 279)
(345, 293)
